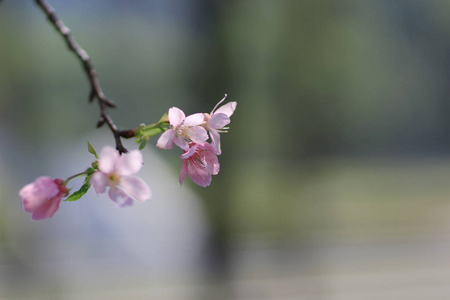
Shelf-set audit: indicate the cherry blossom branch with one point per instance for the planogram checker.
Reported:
(96, 90)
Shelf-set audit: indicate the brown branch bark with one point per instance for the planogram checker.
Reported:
(96, 90)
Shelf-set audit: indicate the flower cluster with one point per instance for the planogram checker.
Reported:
(113, 171)
(114, 168)
(190, 133)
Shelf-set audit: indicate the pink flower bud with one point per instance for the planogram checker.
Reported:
(42, 197)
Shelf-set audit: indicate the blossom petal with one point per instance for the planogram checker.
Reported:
(212, 162)
(181, 143)
(108, 158)
(227, 109)
(194, 120)
(47, 209)
(199, 175)
(136, 188)
(219, 121)
(198, 134)
(26, 193)
(165, 141)
(183, 172)
(215, 140)
(176, 116)
(129, 163)
(119, 197)
(190, 152)
(36, 193)
(45, 187)
(99, 181)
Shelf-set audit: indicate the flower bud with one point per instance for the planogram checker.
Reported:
(42, 197)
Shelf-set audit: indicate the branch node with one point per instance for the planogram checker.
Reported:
(101, 122)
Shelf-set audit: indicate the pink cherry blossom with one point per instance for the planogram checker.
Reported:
(200, 163)
(216, 121)
(183, 130)
(114, 171)
(42, 197)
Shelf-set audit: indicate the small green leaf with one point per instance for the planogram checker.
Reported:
(83, 190)
(92, 150)
(143, 143)
(78, 194)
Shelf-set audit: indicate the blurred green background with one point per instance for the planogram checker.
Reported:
(335, 174)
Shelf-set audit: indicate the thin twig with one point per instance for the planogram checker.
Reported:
(96, 90)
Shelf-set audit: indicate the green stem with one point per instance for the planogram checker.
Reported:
(156, 125)
(75, 176)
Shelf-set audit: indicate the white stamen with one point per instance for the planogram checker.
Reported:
(212, 112)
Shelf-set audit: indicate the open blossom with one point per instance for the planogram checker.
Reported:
(42, 197)
(217, 120)
(114, 171)
(200, 163)
(183, 130)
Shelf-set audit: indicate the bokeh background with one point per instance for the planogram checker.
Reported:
(335, 175)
